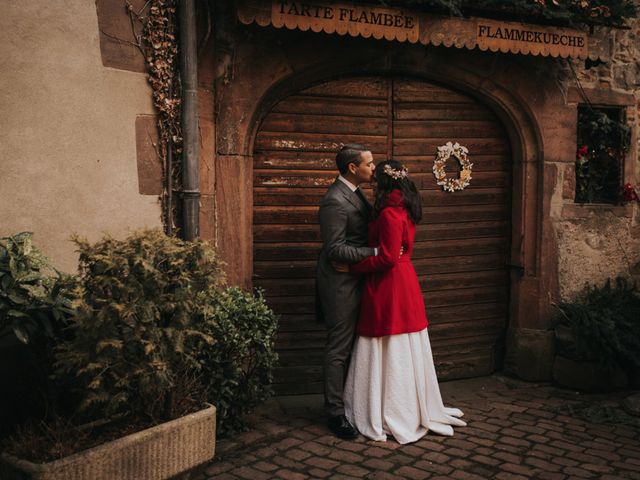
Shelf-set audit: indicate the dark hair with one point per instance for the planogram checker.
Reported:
(349, 153)
(385, 184)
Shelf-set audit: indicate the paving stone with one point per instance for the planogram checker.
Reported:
(551, 476)
(566, 446)
(285, 462)
(510, 476)
(514, 433)
(542, 464)
(354, 447)
(433, 467)
(413, 473)
(321, 462)
(345, 457)
(537, 438)
(578, 472)
(436, 457)
(376, 452)
(353, 470)
(290, 475)
(585, 458)
(250, 473)
(462, 475)
(297, 454)
(316, 448)
(265, 466)
(431, 446)
(382, 476)
(378, 464)
(319, 473)
(485, 460)
(508, 457)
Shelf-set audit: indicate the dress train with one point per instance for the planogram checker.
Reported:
(392, 388)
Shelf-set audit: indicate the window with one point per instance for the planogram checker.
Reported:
(603, 140)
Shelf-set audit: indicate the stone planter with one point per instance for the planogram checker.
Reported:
(156, 453)
(587, 376)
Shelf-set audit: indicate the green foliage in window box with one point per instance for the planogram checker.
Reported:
(603, 140)
(237, 366)
(135, 334)
(605, 326)
(566, 12)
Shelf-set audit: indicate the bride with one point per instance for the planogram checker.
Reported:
(391, 386)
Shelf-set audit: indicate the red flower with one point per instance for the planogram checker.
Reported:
(582, 151)
(629, 193)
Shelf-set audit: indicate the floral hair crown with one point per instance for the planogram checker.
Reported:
(396, 174)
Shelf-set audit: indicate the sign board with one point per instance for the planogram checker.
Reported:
(356, 20)
(526, 38)
(418, 27)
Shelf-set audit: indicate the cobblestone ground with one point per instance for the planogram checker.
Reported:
(516, 430)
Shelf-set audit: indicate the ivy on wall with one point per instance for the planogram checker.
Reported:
(569, 12)
(159, 45)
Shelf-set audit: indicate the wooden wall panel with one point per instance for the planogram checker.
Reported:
(462, 246)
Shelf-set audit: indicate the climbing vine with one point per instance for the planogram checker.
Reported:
(159, 45)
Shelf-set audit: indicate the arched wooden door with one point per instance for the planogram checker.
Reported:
(463, 244)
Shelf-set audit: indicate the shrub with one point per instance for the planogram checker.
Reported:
(34, 308)
(33, 302)
(134, 335)
(237, 365)
(153, 335)
(605, 325)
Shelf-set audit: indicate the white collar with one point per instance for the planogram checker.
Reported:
(351, 186)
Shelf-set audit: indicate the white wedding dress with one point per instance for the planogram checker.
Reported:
(392, 389)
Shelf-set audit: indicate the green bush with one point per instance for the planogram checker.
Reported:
(135, 333)
(34, 308)
(238, 364)
(151, 334)
(605, 325)
(33, 301)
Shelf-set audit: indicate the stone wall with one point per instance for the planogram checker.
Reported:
(68, 136)
(596, 242)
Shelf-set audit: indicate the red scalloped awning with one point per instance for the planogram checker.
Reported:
(416, 27)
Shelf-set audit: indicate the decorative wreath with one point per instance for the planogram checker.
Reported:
(460, 153)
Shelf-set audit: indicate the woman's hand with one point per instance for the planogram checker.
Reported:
(340, 267)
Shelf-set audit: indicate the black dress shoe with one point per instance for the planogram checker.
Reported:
(341, 428)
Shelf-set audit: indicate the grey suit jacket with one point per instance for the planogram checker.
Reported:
(343, 225)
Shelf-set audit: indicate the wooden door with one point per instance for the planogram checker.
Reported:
(462, 246)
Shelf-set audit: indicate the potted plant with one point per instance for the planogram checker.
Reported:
(130, 350)
(598, 338)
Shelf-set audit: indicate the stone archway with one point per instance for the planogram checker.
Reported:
(531, 272)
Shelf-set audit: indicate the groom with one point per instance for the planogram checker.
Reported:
(344, 216)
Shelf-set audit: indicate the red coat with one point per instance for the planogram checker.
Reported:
(391, 301)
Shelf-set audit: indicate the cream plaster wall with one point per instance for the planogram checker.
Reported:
(67, 130)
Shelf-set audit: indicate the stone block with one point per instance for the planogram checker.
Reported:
(117, 36)
(587, 376)
(149, 163)
(530, 353)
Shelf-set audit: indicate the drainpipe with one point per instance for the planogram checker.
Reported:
(189, 78)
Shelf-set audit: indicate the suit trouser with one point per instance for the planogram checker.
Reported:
(340, 337)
